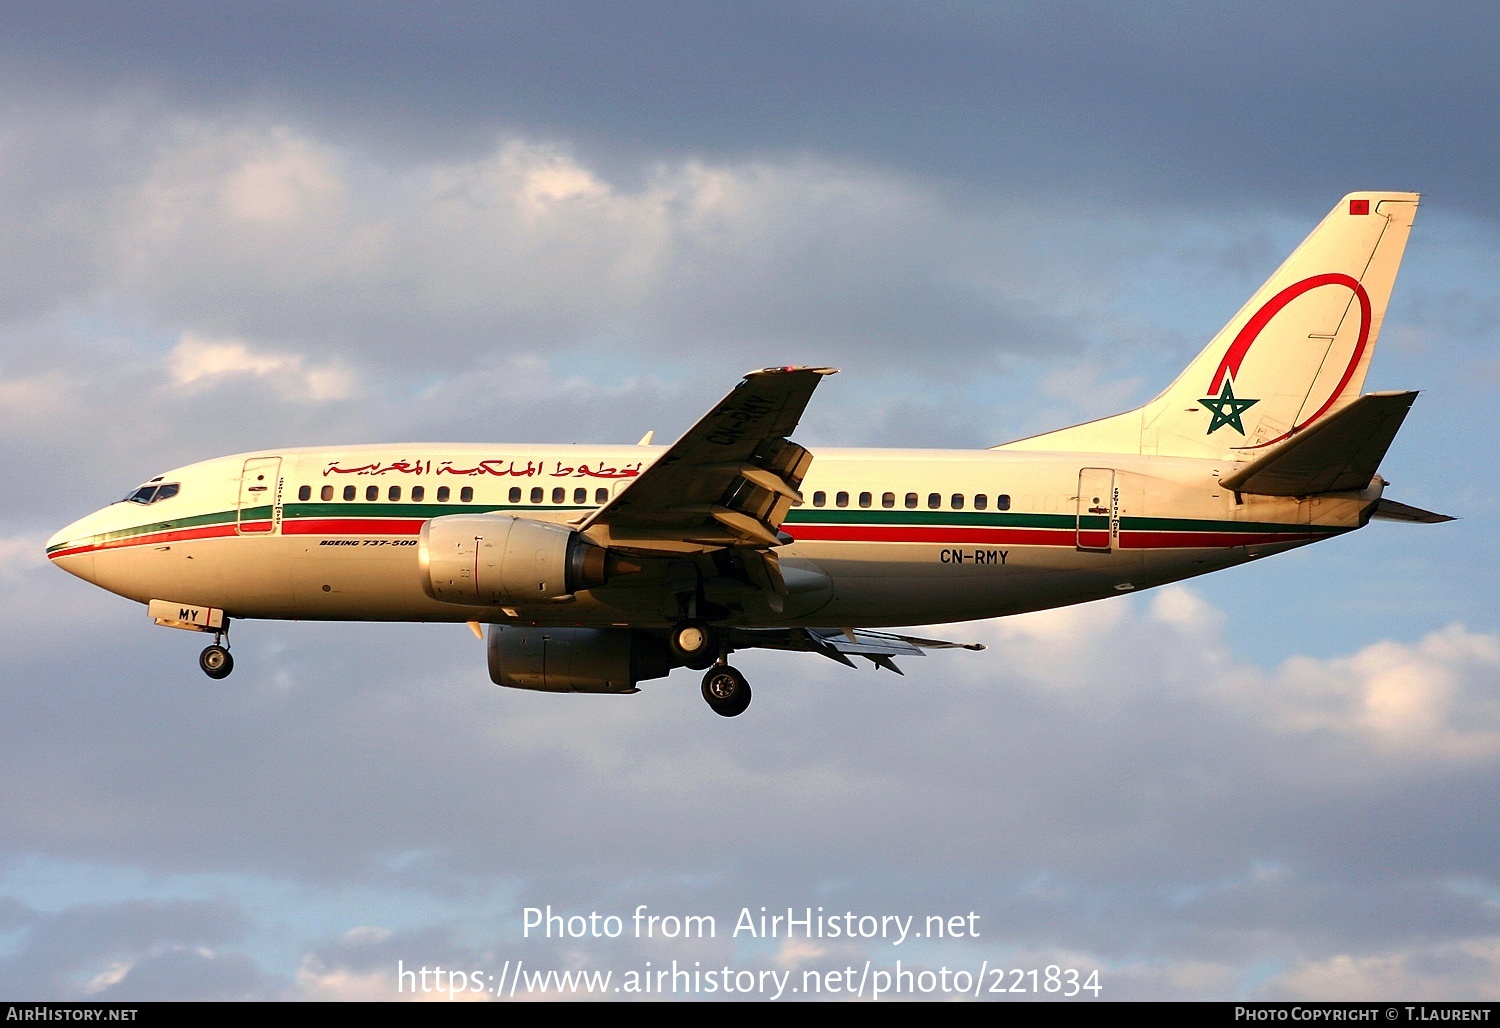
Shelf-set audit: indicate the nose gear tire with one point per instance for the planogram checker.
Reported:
(216, 662)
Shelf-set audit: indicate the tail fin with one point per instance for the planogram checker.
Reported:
(1298, 351)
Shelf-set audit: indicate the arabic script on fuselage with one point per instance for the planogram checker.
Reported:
(498, 467)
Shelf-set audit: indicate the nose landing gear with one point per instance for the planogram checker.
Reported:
(215, 660)
(726, 691)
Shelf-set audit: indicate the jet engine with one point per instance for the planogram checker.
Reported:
(575, 659)
(496, 558)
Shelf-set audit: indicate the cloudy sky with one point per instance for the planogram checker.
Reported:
(243, 226)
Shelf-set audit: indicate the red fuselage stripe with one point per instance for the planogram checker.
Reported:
(1185, 539)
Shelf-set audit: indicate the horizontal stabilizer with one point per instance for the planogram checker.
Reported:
(1390, 510)
(1339, 453)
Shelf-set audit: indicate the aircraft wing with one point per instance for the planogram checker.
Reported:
(729, 481)
(840, 644)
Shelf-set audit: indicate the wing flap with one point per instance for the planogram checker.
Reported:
(1340, 453)
(840, 644)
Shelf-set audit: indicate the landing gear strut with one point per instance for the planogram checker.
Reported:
(215, 660)
(726, 691)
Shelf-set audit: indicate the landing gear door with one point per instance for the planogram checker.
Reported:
(1098, 510)
(260, 496)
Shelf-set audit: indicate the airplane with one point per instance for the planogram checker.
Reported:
(596, 568)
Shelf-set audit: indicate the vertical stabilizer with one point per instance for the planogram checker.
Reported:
(1298, 351)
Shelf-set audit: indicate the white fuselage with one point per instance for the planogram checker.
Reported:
(882, 538)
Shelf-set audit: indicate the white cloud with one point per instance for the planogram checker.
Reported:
(111, 975)
(1465, 970)
(1429, 700)
(26, 398)
(197, 363)
(315, 981)
(19, 554)
(1432, 699)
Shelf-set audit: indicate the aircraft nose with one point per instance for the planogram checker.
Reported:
(72, 550)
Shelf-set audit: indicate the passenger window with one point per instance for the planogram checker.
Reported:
(348, 492)
(888, 500)
(980, 501)
(442, 494)
(559, 494)
(864, 499)
(466, 494)
(536, 494)
(393, 493)
(958, 501)
(372, 492)
(515, 494)
(417, 494)
(934, 500)
(842, 499)
(819, 498)
(580, 496)
(601, 496)
(304, 493)
(911, 501)
(1002, 502)
(327, 493)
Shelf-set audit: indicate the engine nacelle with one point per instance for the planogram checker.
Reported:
(496, 558)
(575, 659)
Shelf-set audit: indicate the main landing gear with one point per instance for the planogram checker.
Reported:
(700, 646)
(726, 690)
(215, 660)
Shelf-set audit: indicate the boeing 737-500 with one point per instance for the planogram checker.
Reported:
(598, 567)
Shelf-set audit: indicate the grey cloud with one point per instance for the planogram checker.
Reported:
(254, 230)
(1214, 104)
(130, 950)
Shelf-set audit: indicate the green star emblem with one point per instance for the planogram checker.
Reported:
(1226, 408)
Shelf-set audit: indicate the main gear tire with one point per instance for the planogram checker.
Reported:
(726, 690)
(695, 644)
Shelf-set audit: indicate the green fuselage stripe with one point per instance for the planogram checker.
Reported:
(885, 518)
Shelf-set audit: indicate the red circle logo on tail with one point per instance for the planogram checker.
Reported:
(1235, 355)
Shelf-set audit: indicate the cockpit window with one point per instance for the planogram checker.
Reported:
(152, 493)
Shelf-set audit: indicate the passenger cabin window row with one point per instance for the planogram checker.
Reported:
(393, 494)
(560, 495)
(956, 501)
